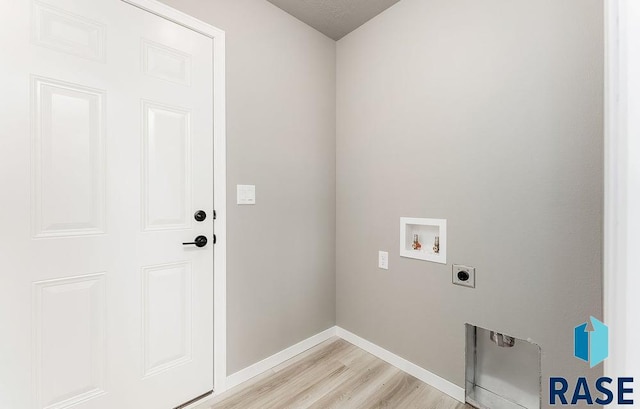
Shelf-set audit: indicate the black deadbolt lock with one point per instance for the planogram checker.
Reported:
(463, 275)
(200, 216)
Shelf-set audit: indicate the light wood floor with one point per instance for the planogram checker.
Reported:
(335, 374)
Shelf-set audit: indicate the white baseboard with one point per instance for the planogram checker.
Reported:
(278, 358)
(412, 369)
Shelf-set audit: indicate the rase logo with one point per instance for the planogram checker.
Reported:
(597, 339)
(592, 346)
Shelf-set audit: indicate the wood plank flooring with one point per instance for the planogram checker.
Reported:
(335, 374)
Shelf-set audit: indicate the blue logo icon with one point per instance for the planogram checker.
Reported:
(591, 345)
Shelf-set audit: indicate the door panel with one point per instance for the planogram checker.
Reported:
(67, 369)
(106, 152)
(167, 316)
(167, 167)
(68, 159)
(166, 63)
(69, 33)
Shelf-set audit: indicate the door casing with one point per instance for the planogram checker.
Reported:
(622, 186)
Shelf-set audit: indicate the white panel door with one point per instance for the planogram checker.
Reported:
(106, 153)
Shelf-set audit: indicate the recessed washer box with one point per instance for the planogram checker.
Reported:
(426, 230)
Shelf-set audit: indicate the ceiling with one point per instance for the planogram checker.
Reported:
(334, 18)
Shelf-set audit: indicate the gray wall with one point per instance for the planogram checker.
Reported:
(280, 137)
(488, 114)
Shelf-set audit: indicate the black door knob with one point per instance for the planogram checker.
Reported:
(200, 241)
(200, 215)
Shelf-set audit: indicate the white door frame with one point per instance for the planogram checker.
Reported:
(622, 186)
(219, 179)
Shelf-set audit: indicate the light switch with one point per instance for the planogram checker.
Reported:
(383, 260)
(246, 194)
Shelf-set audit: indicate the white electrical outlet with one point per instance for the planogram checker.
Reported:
(383, 260)
(464, 275)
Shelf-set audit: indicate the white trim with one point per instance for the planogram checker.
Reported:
(178, 17)
(220, 203)
(622, 186)
(271, 362)
(425, 376)
(276, 359)
(220, 177)
(613, 205)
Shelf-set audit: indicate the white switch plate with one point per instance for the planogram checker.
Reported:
(246, 194)
(383, 260)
